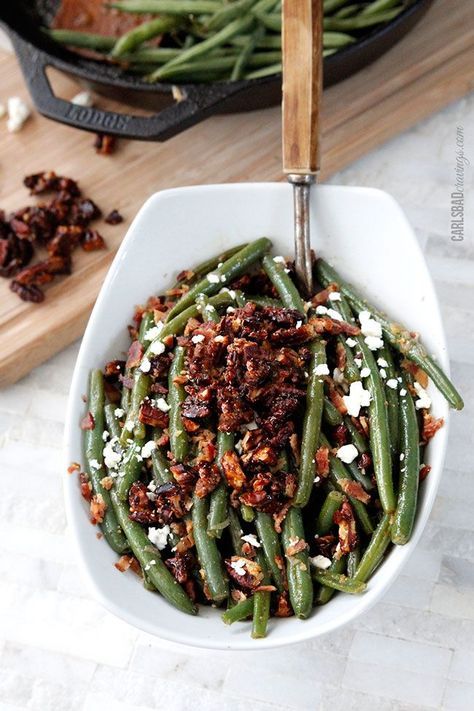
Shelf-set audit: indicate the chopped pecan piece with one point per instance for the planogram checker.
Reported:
(344, 518)
(246, 573)
(114, 218)
(430, 426)
(153, 416)
(233, 472)
(354, 489)
(97, 508)
(209, 478)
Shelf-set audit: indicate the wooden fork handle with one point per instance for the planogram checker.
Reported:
(302, 36)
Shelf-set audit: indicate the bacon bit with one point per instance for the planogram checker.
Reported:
(85, 486)
(296, 546)
(135, 355)
(104, 144)
(252, 576)
(191, 325)
(424, 471)
(430, 426)
(295, 448)
(99, 535)
(340, 435)
(322, 461)
(185, 275)
(87, 422)
(153, 416)
(73, 467)
(341, 358)
(322, 296)
(128, 561)
(233, 472)
(168, 340)
(206, 447)
(98, 508)
(354, 489)
(189, 425)
(419, 374)
(107, 482)
(280, 516)
(283, 608)
(344, 518)
(325, 324)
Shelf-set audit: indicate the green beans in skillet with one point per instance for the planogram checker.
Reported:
(237, 448)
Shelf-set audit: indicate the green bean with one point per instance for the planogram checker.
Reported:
(331, 414)
(236, 532)
(209, 264)
(207, 551)
(216, 63)
(336, 39)
(179, 441)
(300, 585)
(398, 336)
(132, 425)
(94, 445)
(161, 467)
(137, 35)
(271, 548)
(198, 50)
(374, 552)
(82, 40)
(311, 423)
(130, 469)
(266, 42)
(409, 470)
(358, 440)
(285, 287)
(391, 396)
(353, 560)
(379, 6)
(247, 513)
(147, 322)
(226, 13)
(340, 582)
(150, 560)
(239, 612)
(349, 10)
(266, 301)
(324, 593)
(218, 507)
(166, 7)
(261, 603)
(332, 503)
(338, 475)
(264, 72)
(359, 21)
(360, 476)
(230, 270)
(245, 54)
(271, 20)
(111, 420)
(351, 371)
(332, 5)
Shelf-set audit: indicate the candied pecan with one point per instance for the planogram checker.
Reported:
(15, 254)
(283, 607)
(47, 181)
(246, 573)
(135, 355)
(322, 461)
(34, 222)
(233, 472)
(430, 426)
(336, 397)
(128, 561)
(27, 293)
(321, 297)
(268, 492)
(92, 241)
(233, 410)
(209, 478)
(181, 566)
(153, 416)
(65, 240)
(281, 403)
(114, 218)
(197, 404)
(185, 475)
(87, 422)
(354, 489)
(85, 486)
(325, 545)
(142, 510)
(83, 211)
(424, 471)
(344, 518)
(43, 272)
(205, 441)
(189, 425)
(113, 370)
(98, 508)
(104, 144)
(325, 324)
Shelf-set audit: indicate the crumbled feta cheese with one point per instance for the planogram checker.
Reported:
(223, 278)
(374, 342)
(105, 435)
(220, 264)
(403, 392)
(213, 278)
(151, 486)
(334, 296)
(299, 324)
(112, 454)
(145, 365)
(94, 464)
(347, 453)
(358, 362)
(162, 404)
(224, 290)
(83, 98)
(424, 400)
(321, 369)
(338, 376)
(321, 562)
(154, 331)
(238, 565)
(159, 536)
(279, 259)
(357, 398)
(317, 479)
(252, 539)
(230, 310)
(157, 348)
(383, 373)
(198, 338)
(18, 113)
(321, 309)
(251, 425)
(402, 457)
(368, 325)
(148, 448)
(365, 372)
(219, 339)
(118, 412)
(307, 305)
(382, 362)
(351, 342)
(392, 383)
(335, 315)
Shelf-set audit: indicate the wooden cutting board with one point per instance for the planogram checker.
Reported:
(429, 68)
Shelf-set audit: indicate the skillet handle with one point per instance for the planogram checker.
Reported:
(194, 106)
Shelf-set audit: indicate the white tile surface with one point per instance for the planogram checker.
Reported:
(59, 650)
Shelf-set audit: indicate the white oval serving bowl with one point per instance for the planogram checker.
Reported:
(365, 235)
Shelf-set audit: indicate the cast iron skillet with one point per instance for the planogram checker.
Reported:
(23, 18)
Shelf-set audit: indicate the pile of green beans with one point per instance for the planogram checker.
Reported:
(219, 40)
(306, 556)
